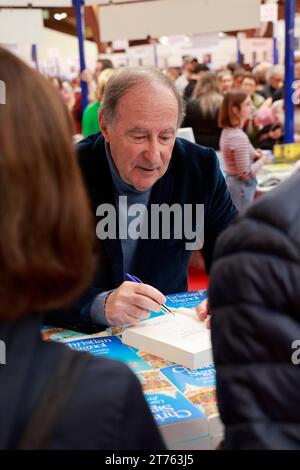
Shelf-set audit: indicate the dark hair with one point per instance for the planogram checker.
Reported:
(234, 97)
(46, 237)
(187, 59)
(201, 68)
(249, 75)
(239, 72)
(232, 66)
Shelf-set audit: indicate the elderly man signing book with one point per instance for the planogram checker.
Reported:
(155, 198)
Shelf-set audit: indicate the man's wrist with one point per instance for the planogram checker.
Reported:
(97, 314)
(105, 307)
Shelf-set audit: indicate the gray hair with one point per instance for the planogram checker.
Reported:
(275, 70)
(130, 77)
(224, 73)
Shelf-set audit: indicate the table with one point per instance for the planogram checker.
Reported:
(183, 401)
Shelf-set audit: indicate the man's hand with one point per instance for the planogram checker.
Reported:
(132, 302)
(203, 312)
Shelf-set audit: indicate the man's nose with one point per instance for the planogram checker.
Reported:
(152, 153)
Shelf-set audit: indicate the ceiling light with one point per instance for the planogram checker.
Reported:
(60, 16)
(164, 40)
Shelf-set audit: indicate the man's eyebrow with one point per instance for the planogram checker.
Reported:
(170, 130)
(143, 130)
(137, 129)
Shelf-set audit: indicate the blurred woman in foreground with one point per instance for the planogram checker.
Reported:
(51, 397)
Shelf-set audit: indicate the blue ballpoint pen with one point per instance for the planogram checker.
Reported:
(130, 277)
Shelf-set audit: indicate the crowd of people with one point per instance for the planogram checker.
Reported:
(59, 265)
(263, 83)
(203, 91)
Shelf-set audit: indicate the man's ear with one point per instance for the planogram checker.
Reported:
(104, 127)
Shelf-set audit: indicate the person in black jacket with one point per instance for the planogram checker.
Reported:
(197, 75)
(202, 112)
(46, 260)
(255, 302)
(273, 87)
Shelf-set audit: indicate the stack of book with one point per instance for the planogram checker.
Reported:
(199, 387)
(182, 399)
(182, 425)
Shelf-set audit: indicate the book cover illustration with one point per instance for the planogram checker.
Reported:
(170, 406)
(182, 424)
(111, 347)
(153, 382)
(183, 299)
(198, 385)
(53, 333)
(155, 362)
(186, 299)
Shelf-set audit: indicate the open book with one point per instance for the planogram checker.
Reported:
(182, 338)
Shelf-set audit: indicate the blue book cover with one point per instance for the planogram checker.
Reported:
(53, 333)
(197, 385)
(182, 376)
(183, 425)
(170, 406)
(111, 347)
(183, 299)
(186, 299)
